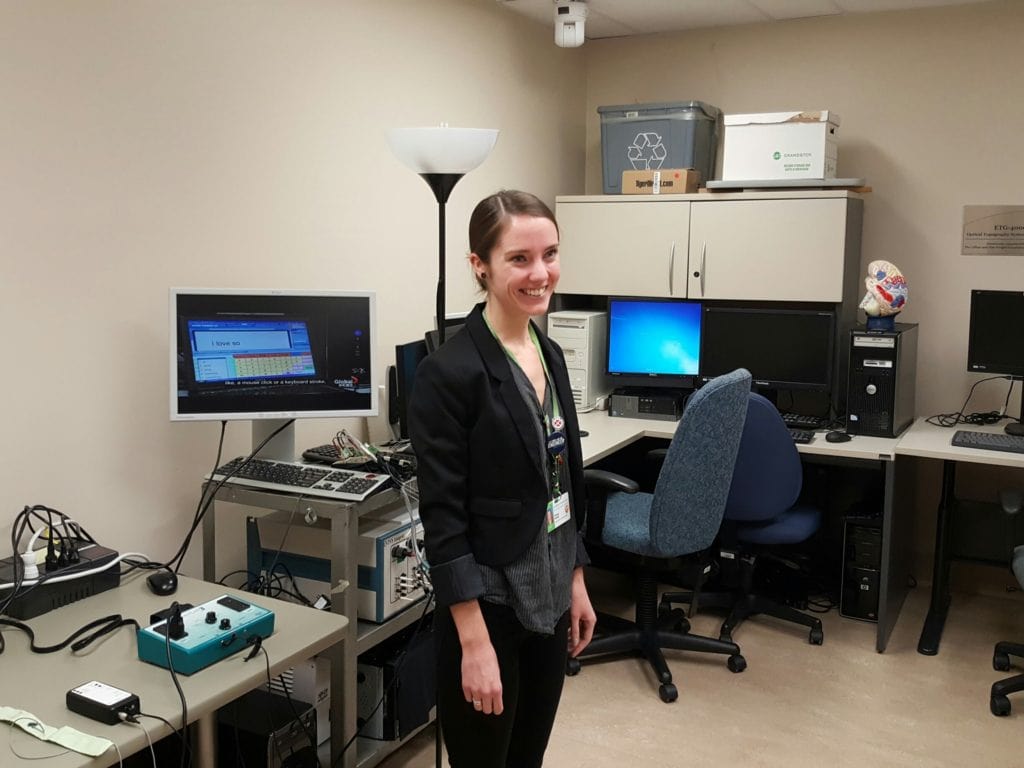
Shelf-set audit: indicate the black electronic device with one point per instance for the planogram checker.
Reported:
(661, 405)
(265, 731)
(862, 564)
(31, 601)
(993, 344)
(102, 702)
(883, 370)
(402, 672)
(407, 359)
(432, 338)
(835, 436)
(782, 348)
(163, 582)
(801, 436)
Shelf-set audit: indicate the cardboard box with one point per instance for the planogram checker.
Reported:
(667, 181)
(780, 145)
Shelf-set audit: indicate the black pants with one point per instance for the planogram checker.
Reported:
(532, 672)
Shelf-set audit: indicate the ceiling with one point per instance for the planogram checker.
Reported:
(620, 18)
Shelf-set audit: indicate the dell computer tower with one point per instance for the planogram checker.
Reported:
(880, 396)
(582, 335)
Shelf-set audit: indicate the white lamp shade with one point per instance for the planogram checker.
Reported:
(442, 149)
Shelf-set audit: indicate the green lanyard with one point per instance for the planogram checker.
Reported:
(555, 460)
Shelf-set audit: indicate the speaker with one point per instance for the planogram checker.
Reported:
(880, 392)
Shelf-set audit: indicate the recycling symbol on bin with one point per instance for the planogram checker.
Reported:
(647, 152)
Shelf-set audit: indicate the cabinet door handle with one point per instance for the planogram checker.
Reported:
(700, 272)
(671, 267)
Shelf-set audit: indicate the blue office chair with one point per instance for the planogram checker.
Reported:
(762, 513)
(998, 701)
(669, 530)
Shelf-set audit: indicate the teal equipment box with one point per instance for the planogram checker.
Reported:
(648, 137)
(208, 633)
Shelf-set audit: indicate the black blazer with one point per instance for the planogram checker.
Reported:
(481, 474)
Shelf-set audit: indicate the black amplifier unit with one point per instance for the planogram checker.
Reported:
(883, 366)
(646, 404)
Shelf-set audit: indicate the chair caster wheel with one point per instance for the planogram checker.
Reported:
(736, 663)
(572, 667)
(1000, 662)
(668, 693)
(816, 637)
(1000, 705)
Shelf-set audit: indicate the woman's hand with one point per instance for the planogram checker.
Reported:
(481, 676)
(582, 618)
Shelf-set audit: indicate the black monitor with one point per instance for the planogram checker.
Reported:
(654, 342)
(994, 343)
(782, 348)
(407, 359)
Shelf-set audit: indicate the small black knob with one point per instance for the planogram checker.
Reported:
(225, 623)
(211, 617)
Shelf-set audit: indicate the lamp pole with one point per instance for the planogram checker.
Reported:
(442, 185)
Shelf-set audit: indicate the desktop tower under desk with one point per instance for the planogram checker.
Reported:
(342, 520)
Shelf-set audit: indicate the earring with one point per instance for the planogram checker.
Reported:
(482, 275)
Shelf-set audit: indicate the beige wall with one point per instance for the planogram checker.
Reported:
(148, 144)
(932, 104)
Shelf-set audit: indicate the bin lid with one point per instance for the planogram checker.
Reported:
(709, 111)
(776, 118)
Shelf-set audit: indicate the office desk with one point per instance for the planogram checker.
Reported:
(38, 682)
(608, 435)
(924, 440)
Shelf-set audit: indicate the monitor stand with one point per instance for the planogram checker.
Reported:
(1016, 427)
(282, 446)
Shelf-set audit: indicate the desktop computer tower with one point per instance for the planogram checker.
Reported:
(582, 335)
(264, 730)
(862, 566)
(883, 367)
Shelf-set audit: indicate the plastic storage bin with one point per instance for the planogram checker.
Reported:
(640, 137)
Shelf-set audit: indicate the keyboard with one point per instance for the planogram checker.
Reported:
(799, 421)
(989, 441)
(801, 435)
(304, 479)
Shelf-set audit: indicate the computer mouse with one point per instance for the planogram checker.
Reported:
(163, 582)
(584, 433)
(835, 436)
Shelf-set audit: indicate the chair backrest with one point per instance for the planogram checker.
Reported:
(689, 497)
(767, 477)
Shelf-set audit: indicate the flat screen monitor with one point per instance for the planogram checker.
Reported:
(782, 348)
(654, 342)
(994, 342)
(247, 354)
(407, 359)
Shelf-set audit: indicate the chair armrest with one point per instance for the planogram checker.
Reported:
(1011, 499)
(609, 481)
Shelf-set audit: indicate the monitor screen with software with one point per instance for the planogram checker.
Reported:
(782, 348)
(654, 342)
(273, 354)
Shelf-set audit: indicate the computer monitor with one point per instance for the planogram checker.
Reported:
(271, 355)
(782, 348)
(994, 343)
(407, 358)
(654, 342)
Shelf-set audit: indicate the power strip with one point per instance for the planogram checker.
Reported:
(207, 634)
(32, 601)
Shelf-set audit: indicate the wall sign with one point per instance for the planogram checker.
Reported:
(993, 230)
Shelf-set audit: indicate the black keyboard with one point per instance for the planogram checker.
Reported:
(799, 421)
(801, 435)
(989, 441)
(304, 479)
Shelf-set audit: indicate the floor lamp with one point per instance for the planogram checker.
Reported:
(442, 156)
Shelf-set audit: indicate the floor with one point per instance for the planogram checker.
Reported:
(796, 705)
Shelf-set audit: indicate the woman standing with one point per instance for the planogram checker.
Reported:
(500, 475)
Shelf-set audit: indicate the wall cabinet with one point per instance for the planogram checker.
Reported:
(801, 246)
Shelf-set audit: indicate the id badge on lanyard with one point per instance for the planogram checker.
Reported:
(558, 512)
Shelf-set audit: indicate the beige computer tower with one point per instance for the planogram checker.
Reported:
(582, 335)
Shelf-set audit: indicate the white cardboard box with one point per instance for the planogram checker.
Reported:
(780, 145)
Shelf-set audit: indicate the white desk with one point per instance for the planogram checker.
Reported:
(927, 441)
(38, 682)
(610, 434)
